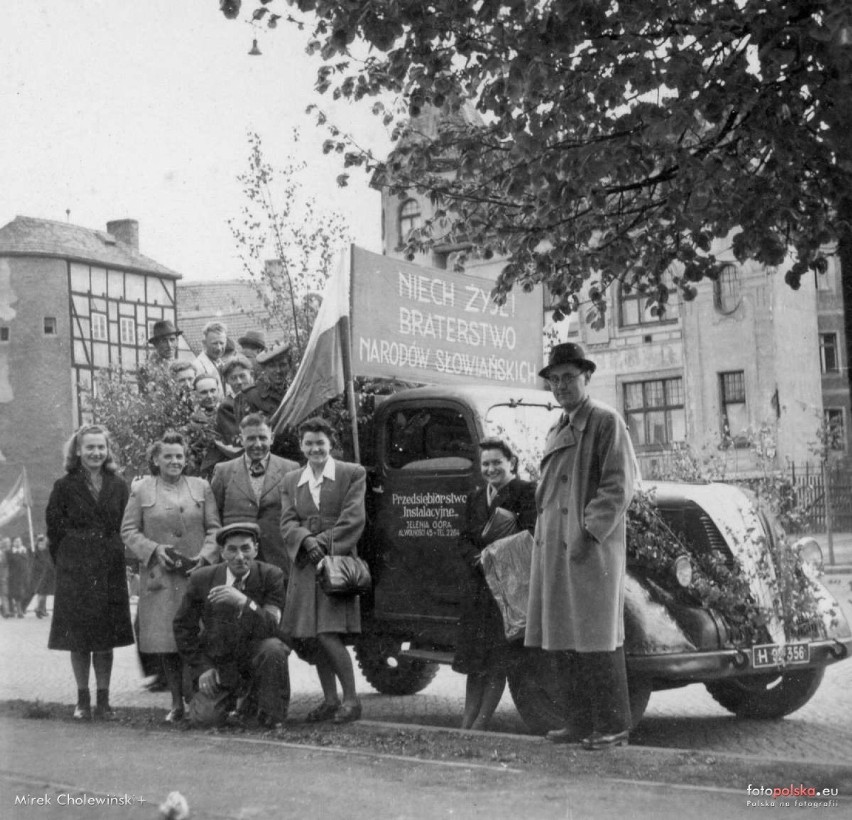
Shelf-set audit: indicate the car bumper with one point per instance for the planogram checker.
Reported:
(728, 663)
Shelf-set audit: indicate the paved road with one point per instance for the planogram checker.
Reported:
(685, 718)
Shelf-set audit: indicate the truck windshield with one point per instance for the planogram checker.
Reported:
(524, 428)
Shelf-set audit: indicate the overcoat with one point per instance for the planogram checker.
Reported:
(91, 609)
(237, 502)
(587, 479)
(338, 522)
(182, 515)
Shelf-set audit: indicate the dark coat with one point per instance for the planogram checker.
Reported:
(229, 636)
(481, 644)
(588, 473)
(237, 502)
(339, 522)
(91, 611)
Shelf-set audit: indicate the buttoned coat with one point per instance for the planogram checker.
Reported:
(577, 576)
(337, 525)
(186, 518)
(237, 502)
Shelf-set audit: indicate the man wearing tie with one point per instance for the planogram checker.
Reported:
(227, 631)
(248, 488)
(576, 601)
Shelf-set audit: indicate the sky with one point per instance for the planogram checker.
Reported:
(117, 109)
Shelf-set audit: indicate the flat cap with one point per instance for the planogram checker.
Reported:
(238, 527)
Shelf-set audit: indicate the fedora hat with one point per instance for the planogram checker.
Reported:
(240, 527)
(255, 338)
(272, 353)
(163, 328)
(567, 353)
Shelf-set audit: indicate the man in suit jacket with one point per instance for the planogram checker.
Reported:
(227, 631)
(248, 488)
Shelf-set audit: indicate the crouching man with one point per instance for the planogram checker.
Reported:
(227, 631)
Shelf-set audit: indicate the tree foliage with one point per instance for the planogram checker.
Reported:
(611, 139)
(287, 243)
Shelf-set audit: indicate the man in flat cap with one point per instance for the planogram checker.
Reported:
(252, 343)
(227, 631)
(576, 602)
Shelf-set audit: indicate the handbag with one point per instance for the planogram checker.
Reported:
(344, 576)
(502, 523)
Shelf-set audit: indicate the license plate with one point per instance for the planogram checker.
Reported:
(773, 654)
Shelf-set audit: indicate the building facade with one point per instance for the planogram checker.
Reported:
(72, 300)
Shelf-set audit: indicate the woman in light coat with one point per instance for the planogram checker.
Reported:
(170, 524)
(322, 512)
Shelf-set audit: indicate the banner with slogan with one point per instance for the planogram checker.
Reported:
(422, 324)
(16, 501)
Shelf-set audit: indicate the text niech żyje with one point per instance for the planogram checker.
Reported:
(484, 332)
(428, 514)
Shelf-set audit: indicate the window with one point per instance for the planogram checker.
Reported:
(431, 440)
(4, 334)
(828, 353)
(127, 330)
(655, 412)
(727, 290)
(635, 310)
(99, 327)
(734, 411)
(835, 428)
(49, 325)
(409, 218)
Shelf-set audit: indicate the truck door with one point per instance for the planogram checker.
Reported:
(427, 464)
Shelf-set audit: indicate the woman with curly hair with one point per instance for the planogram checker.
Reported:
(91, 613)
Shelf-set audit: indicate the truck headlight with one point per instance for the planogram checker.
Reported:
(682, 569)
(810, 552)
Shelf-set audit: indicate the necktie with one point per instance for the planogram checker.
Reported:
(256, 469)
(240, 584)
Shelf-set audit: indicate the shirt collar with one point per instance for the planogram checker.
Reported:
(307, 475)
(264, 461)
(230, 577)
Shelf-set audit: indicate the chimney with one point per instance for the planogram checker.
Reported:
(126, 231)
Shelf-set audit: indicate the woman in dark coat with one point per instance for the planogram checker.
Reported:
(482, 651)
(91, 611)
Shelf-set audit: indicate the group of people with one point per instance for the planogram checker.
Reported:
(24, 574)
(229, 568)
(228, 573)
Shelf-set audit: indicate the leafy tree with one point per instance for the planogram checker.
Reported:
(612, 139)
(287, 244)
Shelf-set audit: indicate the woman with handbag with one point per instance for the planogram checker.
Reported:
(506, 504)
(91, 609)
(322, 514)
(170, 524)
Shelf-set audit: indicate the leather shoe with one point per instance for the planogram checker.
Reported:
(269, 723)
(348, 713)
(597, 740)
(564, 736)
(104, 713)
(175, 715)
(325, 711)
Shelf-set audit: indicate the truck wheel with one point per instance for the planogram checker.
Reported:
(378, 658)
(767, 696)
(536, 690)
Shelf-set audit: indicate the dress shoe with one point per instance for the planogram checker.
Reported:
(325, 711)
(82, 712)
(269, 723)
(564, 736)
(104, 713)
(597, 740)
(348, 713)
(175, 715)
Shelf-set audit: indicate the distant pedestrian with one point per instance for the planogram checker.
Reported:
(20, 574)
(5, 606)
(91, 612)
(576, 600)
(44, 577)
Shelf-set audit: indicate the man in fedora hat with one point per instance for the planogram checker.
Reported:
(576, 600)
(227, 631)
(164, 340)
(252, 343)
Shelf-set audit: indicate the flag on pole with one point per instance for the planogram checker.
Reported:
(320, 376)
(17, 500)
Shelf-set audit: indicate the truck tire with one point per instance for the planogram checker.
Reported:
(765, 697)
(535, 688)
(379, 661)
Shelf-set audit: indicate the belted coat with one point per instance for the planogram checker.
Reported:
(587, 480)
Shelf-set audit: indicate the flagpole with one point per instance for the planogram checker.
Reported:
(28, 502)
(346, 356)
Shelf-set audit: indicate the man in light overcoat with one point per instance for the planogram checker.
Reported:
(576, 603)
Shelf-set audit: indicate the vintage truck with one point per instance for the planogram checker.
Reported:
(423, 461)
